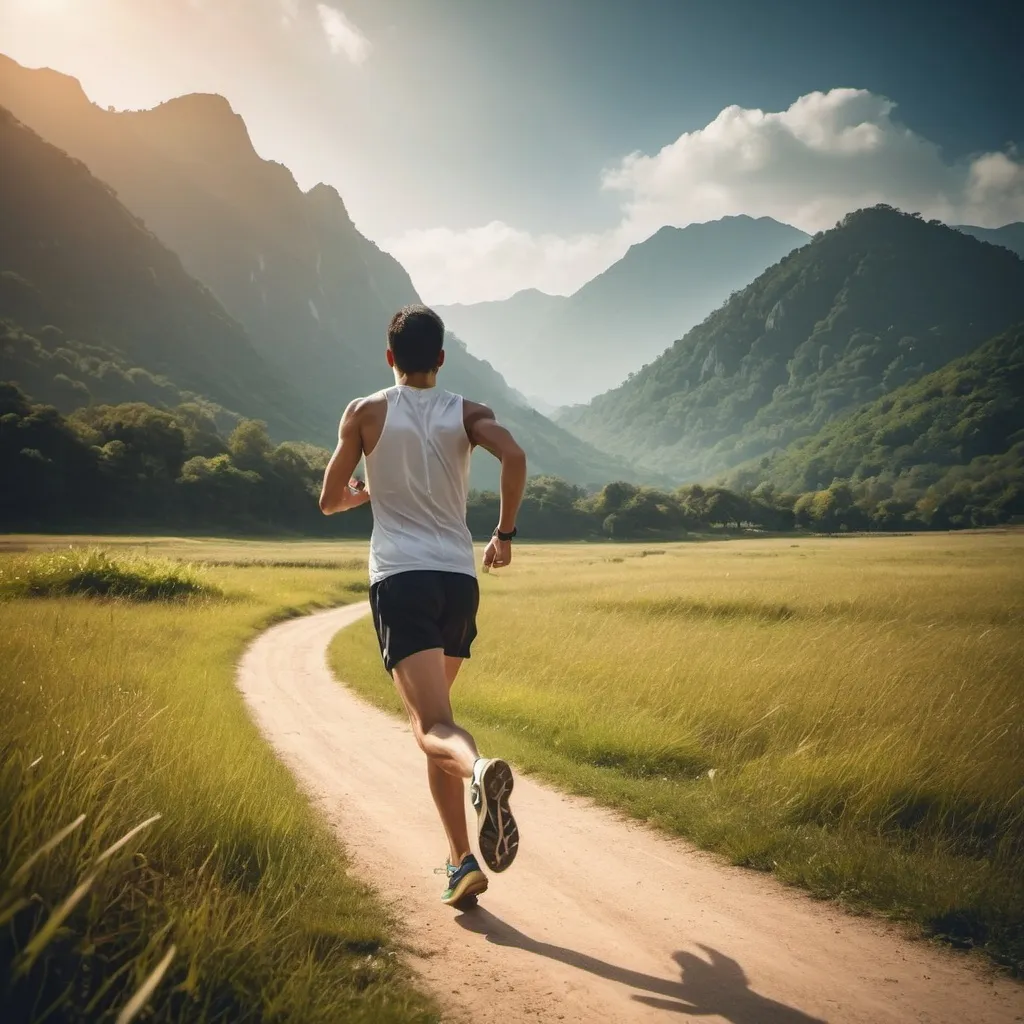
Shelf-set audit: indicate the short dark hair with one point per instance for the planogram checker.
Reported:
(416, 337)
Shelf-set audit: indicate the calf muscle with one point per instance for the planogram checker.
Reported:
(422, 680)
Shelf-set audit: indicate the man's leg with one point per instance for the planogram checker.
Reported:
(424, 681)
(449, 791)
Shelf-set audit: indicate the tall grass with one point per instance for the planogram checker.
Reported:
(93, 573)
(155, 859)
(847, 714)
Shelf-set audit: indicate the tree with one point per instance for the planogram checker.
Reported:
(250, 444)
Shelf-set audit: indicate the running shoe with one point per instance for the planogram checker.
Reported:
(465, 882)
(497, 832)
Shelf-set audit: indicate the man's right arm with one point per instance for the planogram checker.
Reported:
(337, 494)
(484, 430)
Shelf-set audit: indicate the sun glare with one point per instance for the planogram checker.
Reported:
(48, 8)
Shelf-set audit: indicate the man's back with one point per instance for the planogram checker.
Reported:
(417, 470)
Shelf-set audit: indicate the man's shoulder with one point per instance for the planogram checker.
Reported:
(476, 410)
(367, 404)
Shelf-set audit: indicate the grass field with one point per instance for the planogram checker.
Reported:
(234, 903)
(847, 713)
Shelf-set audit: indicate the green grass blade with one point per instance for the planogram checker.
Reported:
(111, 850)
(39, 941)
(146, 989)
(47, 847)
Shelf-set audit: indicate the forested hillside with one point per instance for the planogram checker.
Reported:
(107, 310)
(313, 294)
(955, 438)
(877, 302)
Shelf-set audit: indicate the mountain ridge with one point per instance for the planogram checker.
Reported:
(881, 299)
(566, 349)
(312, 292)
(1009, 236)
(74, 260)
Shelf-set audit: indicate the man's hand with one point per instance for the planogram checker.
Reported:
(497, 554)
(361, 493)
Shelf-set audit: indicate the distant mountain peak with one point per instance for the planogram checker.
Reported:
(44, 78)
(566, 349)
(327, 200)
(201, 122)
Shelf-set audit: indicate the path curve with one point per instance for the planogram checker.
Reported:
(599, 919)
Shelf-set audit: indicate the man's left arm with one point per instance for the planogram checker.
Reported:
(337, 494)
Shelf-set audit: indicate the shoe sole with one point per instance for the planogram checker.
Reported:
(465, 893)
(497, 831)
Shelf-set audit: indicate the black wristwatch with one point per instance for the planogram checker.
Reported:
(505, 536)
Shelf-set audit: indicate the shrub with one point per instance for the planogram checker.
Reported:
(93, 573)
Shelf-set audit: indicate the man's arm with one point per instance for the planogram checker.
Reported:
(336, 495)
(484, 430)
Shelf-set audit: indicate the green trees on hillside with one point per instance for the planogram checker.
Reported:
(74, 262)
(879, 301)
(55, 367)
(133, 466)
(947, 450)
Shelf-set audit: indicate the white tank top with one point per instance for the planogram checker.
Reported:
(418, 478)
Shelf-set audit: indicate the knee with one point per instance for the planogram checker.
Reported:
(421, 737)
(425, 729)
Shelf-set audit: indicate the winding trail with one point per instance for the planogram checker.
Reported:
(599, 919)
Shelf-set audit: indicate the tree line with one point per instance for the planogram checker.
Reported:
(133, 466)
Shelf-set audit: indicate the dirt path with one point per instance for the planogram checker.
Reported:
(598, 920)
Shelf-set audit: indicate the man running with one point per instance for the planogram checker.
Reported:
(417, 440)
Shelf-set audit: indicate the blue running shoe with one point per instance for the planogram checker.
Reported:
(465, 883)
(497, 832)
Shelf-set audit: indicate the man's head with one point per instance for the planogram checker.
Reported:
(415, 340)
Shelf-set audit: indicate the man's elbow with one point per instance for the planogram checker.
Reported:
(326, 505)
(514, 457)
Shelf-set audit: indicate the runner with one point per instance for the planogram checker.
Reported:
(417, 440)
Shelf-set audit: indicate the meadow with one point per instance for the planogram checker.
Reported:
(152, 849)
(846, 713)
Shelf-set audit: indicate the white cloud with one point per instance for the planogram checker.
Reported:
(829, 153)
(808, 165)
(342, 35)
(494, 261)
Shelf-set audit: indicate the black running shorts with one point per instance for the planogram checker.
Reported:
(418, 611)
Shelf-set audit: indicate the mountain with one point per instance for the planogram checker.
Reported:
(313, 293)
(502, 331)
(566, 350)
(1009, 236)
(880, 300)
(75, 264)
(962, 423)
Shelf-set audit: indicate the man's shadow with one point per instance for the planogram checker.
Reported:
(707, 987)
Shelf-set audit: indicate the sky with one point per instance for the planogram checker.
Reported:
(498, 146)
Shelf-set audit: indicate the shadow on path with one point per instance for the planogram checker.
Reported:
(707, 987)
